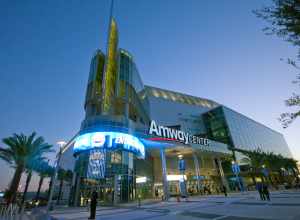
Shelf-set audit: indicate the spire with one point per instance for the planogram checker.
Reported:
(111, 10)
(109, 22)
(110, 68)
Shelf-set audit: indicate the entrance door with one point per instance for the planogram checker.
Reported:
(104, 190)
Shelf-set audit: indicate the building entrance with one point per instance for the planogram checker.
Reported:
(104, 189)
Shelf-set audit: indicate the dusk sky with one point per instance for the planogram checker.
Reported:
(210, 49)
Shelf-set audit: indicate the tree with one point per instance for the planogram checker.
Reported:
(262, 162)
(19, 153)
(63, 175)
(256, 160)
(284, 19)
(44, 170)
(291, 164)
(256, 157)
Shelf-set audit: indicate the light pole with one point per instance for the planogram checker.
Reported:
(61, 144)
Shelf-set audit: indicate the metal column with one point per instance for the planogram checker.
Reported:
(77, 190)
(164, 173)
(197, 170)
(223, 178)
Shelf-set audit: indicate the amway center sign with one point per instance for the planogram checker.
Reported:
(176, 135)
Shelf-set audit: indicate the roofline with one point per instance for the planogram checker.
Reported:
(147, 86)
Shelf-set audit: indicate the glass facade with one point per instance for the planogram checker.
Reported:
(216, 126)
(131, 101)
(239, 131)
(117, 185)
(92, 103)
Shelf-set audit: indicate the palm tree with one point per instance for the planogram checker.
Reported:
(268, 163)
(256, 159)
(20, 153)
(44, 170)
(63, 175)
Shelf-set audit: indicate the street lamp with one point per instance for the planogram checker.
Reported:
(61, 144)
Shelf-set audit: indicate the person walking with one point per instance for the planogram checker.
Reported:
(156, 193)
(94, 198)
(266, 192)
(259, 188)
(224, 189)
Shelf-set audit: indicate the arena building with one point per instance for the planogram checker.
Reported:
(142, 141)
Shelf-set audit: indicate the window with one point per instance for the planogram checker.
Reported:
(116, 157)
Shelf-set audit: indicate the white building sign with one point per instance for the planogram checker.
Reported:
(177, 135)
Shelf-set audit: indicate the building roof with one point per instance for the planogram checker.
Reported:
(179, 97)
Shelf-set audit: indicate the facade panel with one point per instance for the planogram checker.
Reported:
(254, 135)
(239, 131)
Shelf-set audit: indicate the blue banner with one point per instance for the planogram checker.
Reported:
(96, 166)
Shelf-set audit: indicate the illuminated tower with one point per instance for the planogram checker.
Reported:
(115, 90)
(102, 82)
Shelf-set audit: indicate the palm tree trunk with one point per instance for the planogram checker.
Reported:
(60, 191)
(26, 188)
(49, 187)
(12, 191)
(39, 188)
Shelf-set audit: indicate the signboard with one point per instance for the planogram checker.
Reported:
(109, 141)
(96, 166)
(176, 135)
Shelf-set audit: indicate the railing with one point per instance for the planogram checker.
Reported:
(11, 212)
(8, 212)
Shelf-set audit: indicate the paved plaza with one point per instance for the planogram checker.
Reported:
(284, 205)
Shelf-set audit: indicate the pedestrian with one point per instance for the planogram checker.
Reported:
(113, 197)
(266, 192)
(94, 198)
(260, 191)
(224, 189)
(156, 193)
(139, 200)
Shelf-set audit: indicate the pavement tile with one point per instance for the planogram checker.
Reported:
(241, 218)
(200, 214)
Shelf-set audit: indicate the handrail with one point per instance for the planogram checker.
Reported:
(9, 211)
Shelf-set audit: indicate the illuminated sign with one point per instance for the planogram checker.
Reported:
(142, 179)
(110, 141)
(98, 140)
(176, 135)
(174, 177)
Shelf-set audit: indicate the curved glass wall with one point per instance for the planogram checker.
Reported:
(117, 183)
(92, 103)
(130, 99)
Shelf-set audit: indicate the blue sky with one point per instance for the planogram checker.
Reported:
(210, 49)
